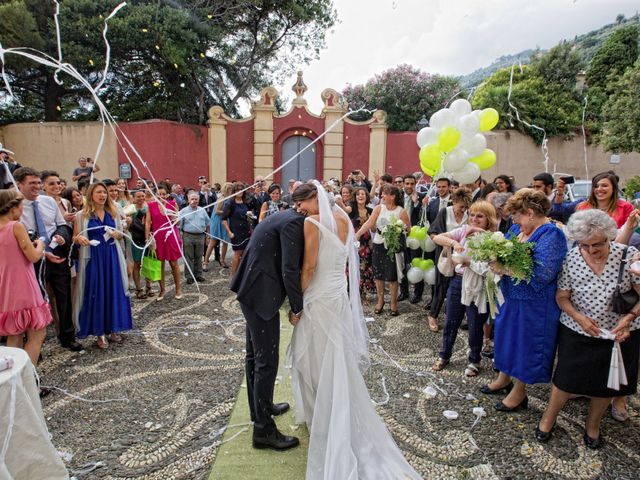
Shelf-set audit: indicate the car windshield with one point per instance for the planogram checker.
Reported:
(581, 190)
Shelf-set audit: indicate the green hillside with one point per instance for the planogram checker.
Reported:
(586, 45)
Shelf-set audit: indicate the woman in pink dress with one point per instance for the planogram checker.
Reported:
(161, 221)
(22, 308)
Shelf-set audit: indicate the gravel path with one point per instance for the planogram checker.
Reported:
(173, 381)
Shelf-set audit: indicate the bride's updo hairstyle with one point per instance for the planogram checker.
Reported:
(304, 192)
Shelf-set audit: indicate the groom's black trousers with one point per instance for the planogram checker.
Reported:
(263, 342)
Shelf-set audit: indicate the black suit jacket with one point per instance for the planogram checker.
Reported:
(202, 202)
(433, 209)
(270, 266)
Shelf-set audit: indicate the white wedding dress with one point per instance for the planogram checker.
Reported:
(348, 440)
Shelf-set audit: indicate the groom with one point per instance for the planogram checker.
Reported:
(269, 271)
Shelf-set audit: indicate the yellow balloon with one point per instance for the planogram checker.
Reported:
(488, 119)
(485, 160)
(430, 158)
(448, 138)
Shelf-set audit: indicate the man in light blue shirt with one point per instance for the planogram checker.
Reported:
(194, 226)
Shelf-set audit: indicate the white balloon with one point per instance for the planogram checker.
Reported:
(474, 146)
(455, 160)
(413, 243)
(429, 135)
(469, 125)
(430, 276)
(428, 245)
(460, 107)
(415, 275)
(442, 118)
(468, 174)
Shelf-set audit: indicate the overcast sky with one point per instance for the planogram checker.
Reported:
(452, 37)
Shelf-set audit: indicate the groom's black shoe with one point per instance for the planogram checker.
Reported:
(403, 296)
(279, 408)
(275, 441)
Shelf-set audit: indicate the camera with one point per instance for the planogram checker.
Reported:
(33, 235)
(355, 172)
(568, 179)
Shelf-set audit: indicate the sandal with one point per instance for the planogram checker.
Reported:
(472, 370)
(149, 293)
(439, 365)
(378, 311)
(619, 415)
(140, 295)
(115, 338)
(102, 342)
(205, 266)
(433, 323)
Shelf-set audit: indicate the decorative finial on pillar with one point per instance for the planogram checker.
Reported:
(299, 88)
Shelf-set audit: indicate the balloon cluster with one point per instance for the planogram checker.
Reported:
(453, 145)
(421, 269)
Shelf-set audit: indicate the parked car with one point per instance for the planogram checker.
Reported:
(579, 189)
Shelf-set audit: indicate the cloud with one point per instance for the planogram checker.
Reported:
(444, 36)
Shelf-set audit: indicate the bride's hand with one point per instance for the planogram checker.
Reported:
(293, 319)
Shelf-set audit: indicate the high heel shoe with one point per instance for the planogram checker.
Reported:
(487, 390)
(501, 407)
(394, 313)
(543, 437)
(378, 311)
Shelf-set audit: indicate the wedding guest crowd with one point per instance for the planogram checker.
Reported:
(99, 235)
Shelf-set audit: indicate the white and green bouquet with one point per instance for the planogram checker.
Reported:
(514, 255)
(393, 233)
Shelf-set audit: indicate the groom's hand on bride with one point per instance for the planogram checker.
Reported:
(293, 318)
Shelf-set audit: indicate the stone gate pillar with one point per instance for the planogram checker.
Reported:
(334, 108)
(263, 112)
(378, 142)
(217, 145)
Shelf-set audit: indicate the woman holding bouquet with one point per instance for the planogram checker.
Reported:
(526, 326)
(466, 293)
(385, 264)
(448, 219)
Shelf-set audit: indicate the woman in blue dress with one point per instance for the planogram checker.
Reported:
(102, 304)
(218, 233)
(526, 326)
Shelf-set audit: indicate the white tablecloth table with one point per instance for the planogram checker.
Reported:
(26, 453)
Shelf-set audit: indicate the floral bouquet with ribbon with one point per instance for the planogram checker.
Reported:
(514, 255)
(393, 233)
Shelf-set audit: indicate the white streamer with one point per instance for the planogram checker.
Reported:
(584, 138)
(86, 400)
(544, 146)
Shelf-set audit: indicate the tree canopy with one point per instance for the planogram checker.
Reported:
(621, 130)
(170, 59)
(405, 93)
(547, 105)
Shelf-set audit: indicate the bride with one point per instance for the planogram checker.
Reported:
(329, 353)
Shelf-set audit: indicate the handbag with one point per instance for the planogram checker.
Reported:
(623, 302)
(445, 264)
(151, 267)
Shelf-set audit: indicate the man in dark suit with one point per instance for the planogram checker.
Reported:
(441, 201)
(269, 271)
(413, 205)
